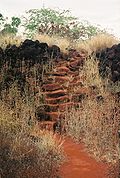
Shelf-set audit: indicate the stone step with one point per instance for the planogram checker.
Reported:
(56, 73)
(62, 79)
(54, 115)
(56, 93)
(75, 65)
(62, 69)
(47, 80)
(83, 55)
(47, 108)
(48, 116)
(77, 78)
(74, 69)
(66, 106)
(52, 107)
(73, 73)
(72, 59)
(61, 63)
(58, 79)
(75, 84)
(52, 87)
(59, 107)
(61, 99)
(42, 116)
(80, 94)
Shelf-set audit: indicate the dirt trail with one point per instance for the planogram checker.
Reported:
(79, 164)
(63, 88)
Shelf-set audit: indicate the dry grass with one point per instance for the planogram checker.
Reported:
(91, 74)
(22, 153)
(92, 78)
(97, 43)
(26, 151)
(63, 43)
(96, 124)
(9, 39)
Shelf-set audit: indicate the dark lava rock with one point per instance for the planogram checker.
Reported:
(54, 51)
(109, 60)
(34, 51)
(1, 56)
(16, 59)
(29, 51)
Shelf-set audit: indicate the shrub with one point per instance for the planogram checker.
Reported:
(57, 22)
(9, 26)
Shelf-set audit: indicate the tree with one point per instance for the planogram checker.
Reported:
(9, 27)
(53, 22)
(48, 21)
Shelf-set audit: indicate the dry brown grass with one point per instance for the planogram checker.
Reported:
(92, 78)
(96, 122)
(63, 43)
(9, 39)
(97, 43)
(22, 153)
(91, 74)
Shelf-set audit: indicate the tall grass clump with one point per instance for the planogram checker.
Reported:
(9, 40)
(97, 43)
(22, 153)
(91, 74)
(96, 121)
(96, 124)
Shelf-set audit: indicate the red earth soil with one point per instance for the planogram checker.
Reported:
(80, 164)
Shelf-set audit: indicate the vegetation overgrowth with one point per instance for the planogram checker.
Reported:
(27, 151)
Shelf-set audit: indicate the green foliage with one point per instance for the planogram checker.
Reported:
(9, 27)
(49, 21)
(61, 23)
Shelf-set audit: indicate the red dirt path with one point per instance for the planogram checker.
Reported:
(79, 164)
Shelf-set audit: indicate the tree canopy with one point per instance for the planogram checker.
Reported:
(49, 21)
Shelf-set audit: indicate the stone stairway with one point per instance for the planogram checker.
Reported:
(63, 88)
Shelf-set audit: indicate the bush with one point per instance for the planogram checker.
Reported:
(57, 22)
(9, 26)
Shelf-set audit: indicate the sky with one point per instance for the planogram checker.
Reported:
(105, 13)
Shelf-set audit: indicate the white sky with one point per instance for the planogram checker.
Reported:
(102, 12)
